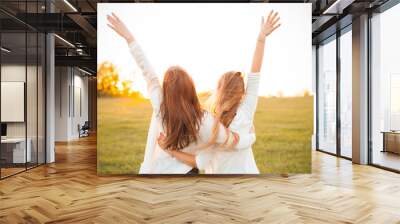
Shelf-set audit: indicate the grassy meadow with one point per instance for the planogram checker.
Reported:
(283, 127)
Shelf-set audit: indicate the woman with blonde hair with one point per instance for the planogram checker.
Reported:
(176, 112)
(234, 107)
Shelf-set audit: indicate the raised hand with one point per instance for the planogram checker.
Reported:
(266, 29)
(272, 23)
(119, 27)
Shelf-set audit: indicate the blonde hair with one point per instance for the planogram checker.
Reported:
(229, 95)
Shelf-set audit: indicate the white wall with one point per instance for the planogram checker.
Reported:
(62, 82)
(82, 82)
(70, 83)
(33, 127)
(12, 73)
(80, 94)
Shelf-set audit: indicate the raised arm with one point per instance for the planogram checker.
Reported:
(153, 83)
(120, 28)
(249, 103)
(266, 29)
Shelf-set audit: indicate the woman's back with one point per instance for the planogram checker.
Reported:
(220, 161)
(163, 163)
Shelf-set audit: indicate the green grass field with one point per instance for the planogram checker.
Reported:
(283, 127)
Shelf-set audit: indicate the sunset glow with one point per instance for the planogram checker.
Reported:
(110, 83)
(208, 40)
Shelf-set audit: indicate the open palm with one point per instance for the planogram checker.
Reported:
(272, 23)
(119, 27)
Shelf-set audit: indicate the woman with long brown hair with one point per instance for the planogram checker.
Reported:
(176, 112)
(234, 107)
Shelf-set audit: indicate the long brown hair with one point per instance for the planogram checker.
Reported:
(229, 95)
(180, 109)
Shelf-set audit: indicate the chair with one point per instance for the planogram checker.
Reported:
(84, 130)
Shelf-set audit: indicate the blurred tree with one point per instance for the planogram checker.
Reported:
(109, 83)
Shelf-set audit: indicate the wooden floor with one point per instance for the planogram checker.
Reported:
(5, 172)
(69, 191)
(387, 159)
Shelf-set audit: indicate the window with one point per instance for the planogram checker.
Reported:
(22, 74)
(346, 93)
(327, 96)
(395, 102)
(385, 89)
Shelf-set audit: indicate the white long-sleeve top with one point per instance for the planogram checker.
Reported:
(156, 161)
(217, 161)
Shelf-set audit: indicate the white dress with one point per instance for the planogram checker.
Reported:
(216, 161)
(156, 161)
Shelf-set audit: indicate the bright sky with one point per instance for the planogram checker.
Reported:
(210, 39)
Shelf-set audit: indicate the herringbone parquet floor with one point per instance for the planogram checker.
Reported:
(69, 191)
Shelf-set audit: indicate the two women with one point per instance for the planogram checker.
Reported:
(192, 137)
